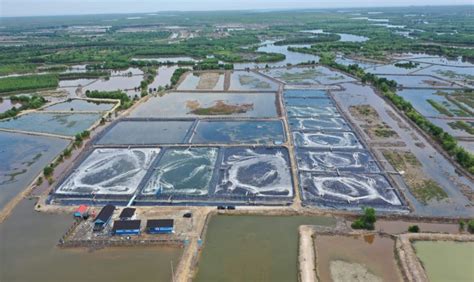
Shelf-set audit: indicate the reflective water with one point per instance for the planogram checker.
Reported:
(146, 133)
(33, 255)
(243, 132)
(179, 104)
(81, 106)
(22, 158)
(253, 248)
(61, 124)
(242, 80)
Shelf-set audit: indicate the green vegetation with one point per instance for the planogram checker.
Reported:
(16, 68)
(27, 102)
(87, 74)
(330, 37)
(408, 65)
(177, 75)
(428, 190)
(413, 229)
(125, 101)
(48, 171)
(462, 125)
(470, 226)
(440, 108)
(28, 82)
(366, 221)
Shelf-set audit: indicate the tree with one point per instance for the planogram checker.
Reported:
(470, 226)
(366, 221)
(414, 229)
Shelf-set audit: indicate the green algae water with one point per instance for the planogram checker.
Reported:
(253, 248)
(447, 261)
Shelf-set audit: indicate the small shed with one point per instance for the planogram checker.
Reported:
(126, 227)
(160, 226)
(81, 211)
(103, 218)
(127, 214)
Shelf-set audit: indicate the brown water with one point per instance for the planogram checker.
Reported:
(253, 248)
(28, 253)
(397, 227)
(373, 252)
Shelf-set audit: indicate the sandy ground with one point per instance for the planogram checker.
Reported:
(342, 271)
(208, 80)
(307, 263)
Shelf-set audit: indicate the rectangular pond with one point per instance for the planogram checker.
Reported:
(310, 75)
(419, 99)
(23, 157)
(327, 140)
(459, 74)
(259, 172)
(182, 172)
(305, 101)
(109, 172)
(311, 111)
(181, 104)
(419, 81)
(348, 190)
(80, 106)
(446, 261)
(246, 80)
(53, 123)
(202, 81)
(304, 93)
(143, 132)
(366, 257)
(319, 124)
(320, 161)
(253, 248)
(240, 132)
(122, 82)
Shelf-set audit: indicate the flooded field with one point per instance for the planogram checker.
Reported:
(360, 258)
(149, 263)
(393, 69)
(446, 261)
(182, 172)
(23, 158)
(120, 82)
(179, 104)
(202, 81)
(459, 74)
(53, 123)
(255, 172)
(398, 227)
(420, 81)
(80, 106)
(419, 99)
(75, 82)
(109, 172)
(244, 132)
(243, 80)
(253, 248)
(6, 104)
(163, 77)
(312, 75)
(142, 132)
(357, 161)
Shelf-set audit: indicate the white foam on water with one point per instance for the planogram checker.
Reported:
(321, 123)
(364, 188)
(321, 140)
(110, 171)
(182, 160)
(279, 172)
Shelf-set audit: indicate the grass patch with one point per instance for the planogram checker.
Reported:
(28, 82)
(462, 125)
(440, 108)
(428, 190)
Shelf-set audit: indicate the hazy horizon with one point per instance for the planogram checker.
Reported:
(23, 8)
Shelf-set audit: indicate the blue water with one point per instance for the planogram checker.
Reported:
(22, 157)
(61, 124)
(245, 132)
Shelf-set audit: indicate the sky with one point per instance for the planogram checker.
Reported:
(13, 8)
